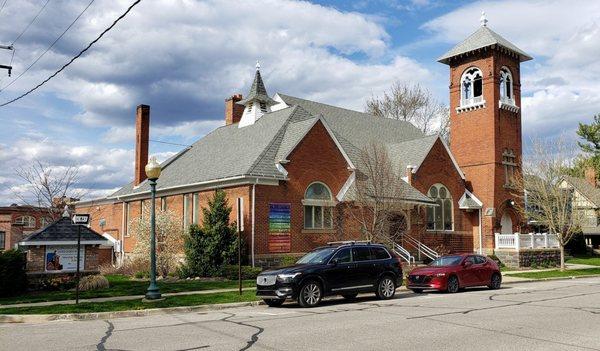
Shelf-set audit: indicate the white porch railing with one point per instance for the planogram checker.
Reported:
(518, 241)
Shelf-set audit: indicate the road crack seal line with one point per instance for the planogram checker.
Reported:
(253, 337)
(101, 345)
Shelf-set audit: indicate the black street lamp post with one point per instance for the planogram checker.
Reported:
(153, 172)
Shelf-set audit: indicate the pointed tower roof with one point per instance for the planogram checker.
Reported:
(258, 92)
(482, 38)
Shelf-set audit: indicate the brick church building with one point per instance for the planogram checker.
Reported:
(293, 161)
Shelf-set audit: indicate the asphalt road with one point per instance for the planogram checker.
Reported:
(556, 315)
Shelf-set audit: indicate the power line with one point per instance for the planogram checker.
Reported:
(2, 7)
(166, 142)
(48, 49)
(30, 23)
(75, 57)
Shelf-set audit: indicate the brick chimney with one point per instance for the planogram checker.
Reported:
(142, 136)
(233, 111)
(409, 174)
(590, 176)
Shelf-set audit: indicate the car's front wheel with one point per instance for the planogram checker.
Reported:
(452, 286)
(495, 282)
(311, 294)
(386, 289)
(274, 302)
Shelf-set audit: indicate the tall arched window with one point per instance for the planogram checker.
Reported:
(26, 221)
(318, 207)
(440, 217)
(506, 85)
(471, 85)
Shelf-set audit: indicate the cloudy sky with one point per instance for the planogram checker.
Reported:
(184, 57)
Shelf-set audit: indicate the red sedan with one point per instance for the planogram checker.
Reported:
(453, 272)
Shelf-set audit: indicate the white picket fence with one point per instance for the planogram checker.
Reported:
(518, 241)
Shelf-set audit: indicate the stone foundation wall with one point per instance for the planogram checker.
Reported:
(528, 257)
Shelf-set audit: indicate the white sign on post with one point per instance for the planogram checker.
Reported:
(81, 218)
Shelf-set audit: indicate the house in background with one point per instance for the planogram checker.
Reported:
(586, 200)
(292, 164)
(17, 221)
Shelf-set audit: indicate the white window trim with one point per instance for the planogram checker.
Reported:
(507, 103)
(313, 203)
(474, 102)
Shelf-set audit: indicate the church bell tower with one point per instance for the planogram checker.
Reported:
(485, 123)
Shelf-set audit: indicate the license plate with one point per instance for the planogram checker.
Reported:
(265, 280)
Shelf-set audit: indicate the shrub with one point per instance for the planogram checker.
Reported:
(55, 282)
(288, 260)
(93, 282)
(577, 246)
(141, 274)
(248, 272)
(13, 279)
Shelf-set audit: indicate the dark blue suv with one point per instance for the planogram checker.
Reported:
(344, 268)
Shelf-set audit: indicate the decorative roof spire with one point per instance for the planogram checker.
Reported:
(257, 102)
(257, 65)
(483, 19)
(66, 213)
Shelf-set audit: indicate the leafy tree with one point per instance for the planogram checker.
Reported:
(214, 244)
(590, 133)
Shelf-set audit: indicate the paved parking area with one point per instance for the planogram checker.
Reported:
(552, 315)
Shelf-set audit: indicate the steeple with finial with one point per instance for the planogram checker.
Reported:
(257, 102)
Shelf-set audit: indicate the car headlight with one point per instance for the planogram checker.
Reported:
(440, 274)
(287, 277)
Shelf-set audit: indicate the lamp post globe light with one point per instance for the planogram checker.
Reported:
(153, 172)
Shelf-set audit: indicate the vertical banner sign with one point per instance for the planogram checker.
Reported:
(279, 227)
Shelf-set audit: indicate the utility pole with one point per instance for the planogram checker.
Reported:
(9, 68)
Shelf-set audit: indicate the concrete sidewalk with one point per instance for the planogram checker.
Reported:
(121, 298)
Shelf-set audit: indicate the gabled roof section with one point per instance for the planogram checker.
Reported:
(411, 152)
(64, 231)
(483, 37)
(468, 201)
(587, 190)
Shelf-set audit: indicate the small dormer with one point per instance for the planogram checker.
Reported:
(257, 103)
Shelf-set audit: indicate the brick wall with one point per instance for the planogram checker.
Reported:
(479, 137)
(316, 158)
(36, 259)
(528, 257)
(92, 258)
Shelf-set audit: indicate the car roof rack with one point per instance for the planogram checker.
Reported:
(349, 242)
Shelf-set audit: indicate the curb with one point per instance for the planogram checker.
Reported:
(531, 280)
(40, 318)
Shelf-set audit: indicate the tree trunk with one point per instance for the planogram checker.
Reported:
(562, 258)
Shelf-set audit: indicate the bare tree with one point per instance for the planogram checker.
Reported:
(412, 103)
(46, 184)
(547, 198)
(379, 195)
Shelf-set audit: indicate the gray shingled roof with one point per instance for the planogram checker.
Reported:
(64, 230)
(258, 92)
(482, 38)
(255, 150)
(586, 189)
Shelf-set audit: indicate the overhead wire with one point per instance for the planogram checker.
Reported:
(48, 48)
(75, 57)
(3, 4)
(30, 23)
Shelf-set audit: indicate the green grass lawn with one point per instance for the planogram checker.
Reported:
(122, 286)
(556, 273)
(173, 301)
(591, 260)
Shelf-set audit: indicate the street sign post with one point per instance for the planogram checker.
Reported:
(79, 220)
